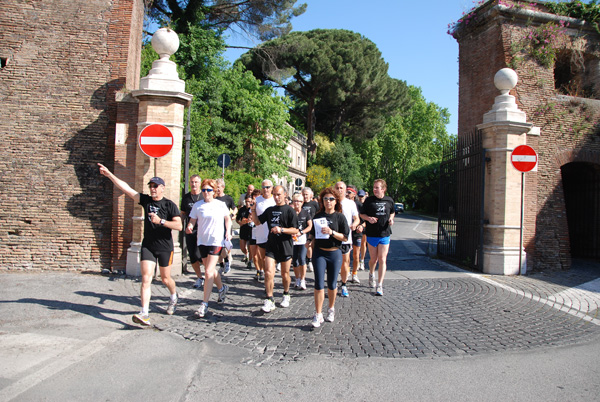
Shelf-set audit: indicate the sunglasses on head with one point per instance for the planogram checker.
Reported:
(328, 198)
(207, 190)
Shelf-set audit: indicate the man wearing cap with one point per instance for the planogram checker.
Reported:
(161, 216)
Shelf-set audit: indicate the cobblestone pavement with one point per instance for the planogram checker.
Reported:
(437, 315)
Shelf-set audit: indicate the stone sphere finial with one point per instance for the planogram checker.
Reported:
(165, 42)
(505, 80)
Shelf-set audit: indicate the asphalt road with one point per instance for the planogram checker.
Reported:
(438, 333)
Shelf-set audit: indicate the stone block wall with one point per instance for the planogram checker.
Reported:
(569, 122)
(63, 63)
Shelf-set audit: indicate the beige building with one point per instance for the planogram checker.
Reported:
(297, 151)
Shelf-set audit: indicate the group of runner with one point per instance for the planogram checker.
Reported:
(307, 235)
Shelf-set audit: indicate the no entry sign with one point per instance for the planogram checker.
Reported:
(524, 158)
(156, 140)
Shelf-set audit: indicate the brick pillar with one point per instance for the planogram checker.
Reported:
(504, 128)
(162, 100)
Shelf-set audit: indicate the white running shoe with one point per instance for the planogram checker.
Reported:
(223, 294)
(317, 320)
(227, 267)
(361, 265)
(355, 279)
(349, 277)
(303, 284)
(199, 283)
(268, 306)
(172, 306)
(278, 267)
(379, 291)
(285, 302)
(201, 310)
(309, 267)
(372, 282)
(330, 315)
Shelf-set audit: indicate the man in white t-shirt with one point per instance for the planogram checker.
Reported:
(261, 232)
(351, 213)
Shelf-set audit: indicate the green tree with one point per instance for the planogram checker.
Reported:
(407, 144)
(422, 188)
(264, 19)
(319, 177)
(343, 162)
(230, 112)
(336, 75)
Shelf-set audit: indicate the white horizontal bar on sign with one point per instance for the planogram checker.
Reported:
(156, 140)
(524, 158)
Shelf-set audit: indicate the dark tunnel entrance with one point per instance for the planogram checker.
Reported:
(581, 184)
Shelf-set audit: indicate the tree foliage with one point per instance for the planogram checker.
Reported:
(343, 162)
(265, 19)
(231, 111)
(319, 177)
(338, 79)
(407, 144)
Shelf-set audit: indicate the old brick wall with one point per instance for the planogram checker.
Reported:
(65, 62)
(570, 124)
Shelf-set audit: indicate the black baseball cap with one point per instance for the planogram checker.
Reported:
(157, 180)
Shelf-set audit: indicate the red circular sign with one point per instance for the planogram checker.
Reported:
(524, 158)
(156, 140)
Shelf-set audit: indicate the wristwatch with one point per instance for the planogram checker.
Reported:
(162, 222)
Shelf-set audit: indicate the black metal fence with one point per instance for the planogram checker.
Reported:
(460, 216)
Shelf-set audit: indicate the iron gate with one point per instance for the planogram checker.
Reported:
(460, 216)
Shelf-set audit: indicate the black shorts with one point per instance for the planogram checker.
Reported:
(356, 241)
(345, 248)
(245, 232)
(205, 251)
(165, 258)
(252, 242)
(277, 256)
(191, 241)
(261, 245)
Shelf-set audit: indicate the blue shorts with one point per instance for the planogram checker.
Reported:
(376, 241)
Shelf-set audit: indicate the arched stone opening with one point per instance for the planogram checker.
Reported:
(581, 186)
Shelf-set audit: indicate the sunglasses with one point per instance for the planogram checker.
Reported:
(266, 186)
(328, 198)
(153, 185)
(207, 190)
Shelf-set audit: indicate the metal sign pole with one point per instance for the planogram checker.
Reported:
(521, 226)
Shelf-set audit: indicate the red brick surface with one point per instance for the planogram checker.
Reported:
(570, 126)
(65, 61)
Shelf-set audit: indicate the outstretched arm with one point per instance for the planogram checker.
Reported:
(124, 187)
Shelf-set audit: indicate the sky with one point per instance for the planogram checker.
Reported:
(411, 35)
